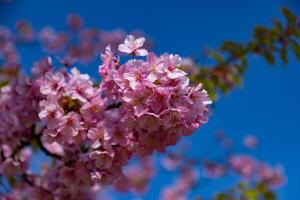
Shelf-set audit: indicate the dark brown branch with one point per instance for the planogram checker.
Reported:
(27, 180)
(38, 139)
(113, 106)
(44, 149)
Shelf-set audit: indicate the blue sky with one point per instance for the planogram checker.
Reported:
(268, 103)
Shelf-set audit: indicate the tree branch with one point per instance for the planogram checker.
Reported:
(44, 149)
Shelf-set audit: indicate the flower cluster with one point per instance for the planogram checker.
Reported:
(18, 113)
(92, 129)
(211, 167)
(182, 185)
(249, 167)
(136, 177)
(76, 44)
(158, 105)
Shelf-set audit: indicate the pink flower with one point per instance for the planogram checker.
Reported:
(54, 148)
(17, 165)
(51, 112)
(155, 67)
(136, 75)
(94, 109)
(250, 141)
(70, 124)
(159, 100)
(74, 21)
(132, 46)
(197, 95)
(173, 116)
(138, 99)
(66, 174)
(149, 122)
(6, 150)
(213, 170)
(79, 86)
(99, 137)
(42, 66)
(273, 177)
(53, 83)
(182, 185)
(103, 177)
(189, 66)
(171, 162)
(10, 167)
(244, 165)
(109, 58)
(103, 159)
(171, 64)
(137, 177)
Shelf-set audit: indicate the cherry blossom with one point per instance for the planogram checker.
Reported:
(132, 46)
(91, 128)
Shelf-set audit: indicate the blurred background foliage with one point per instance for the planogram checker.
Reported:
(231, 58)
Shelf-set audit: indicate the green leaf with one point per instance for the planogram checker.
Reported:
(251, 194)
(242, 185)
(233, 48)
(217, 56)
(3, 84)
(289, 15)
(210, 88)
(259, 32)
(296, 48)
(12, 181)
(269, 57)
(278, 25)
(34, 145)
(268, 195)
(283, 55)
(222, 196)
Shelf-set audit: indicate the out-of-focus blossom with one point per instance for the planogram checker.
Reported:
(25, 31)
(171, 162)
(243, 165)
(74, 21)
(271, 176)
(189, 66)
(250, 141)
(137, 177)
(181, 187)
(42, 66)
(214, 170)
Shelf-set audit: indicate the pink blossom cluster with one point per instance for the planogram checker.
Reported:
(79, 43)
(16, 165)
(136, 177)
(75, 44)
(211, 168)
(182, 185)
(158, 105)
(93, 129)
(9, 57)
(250, 141)
(18, 113)
(249, 167)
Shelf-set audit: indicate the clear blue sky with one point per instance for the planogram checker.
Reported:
(267, 105)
